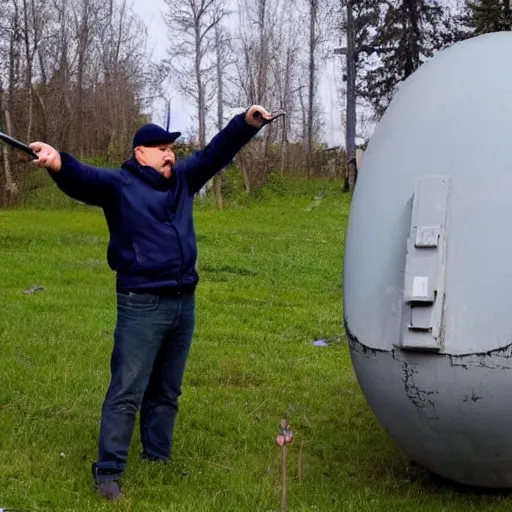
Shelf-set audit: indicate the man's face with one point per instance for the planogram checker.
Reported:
(160, 157)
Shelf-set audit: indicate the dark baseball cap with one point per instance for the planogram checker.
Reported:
(152, 135)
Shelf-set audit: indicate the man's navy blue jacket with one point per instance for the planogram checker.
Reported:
(152, 239)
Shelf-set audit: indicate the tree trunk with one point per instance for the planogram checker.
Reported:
(304, 112)
(311, 93)
(507, 16)
(28, 57)
(200, 97)
(286, 102)
(11, 189)
(351, 96)
(243, 163)
(247, 182)
(218, 191)
(220, 110)
(84, 35)
(284, 144)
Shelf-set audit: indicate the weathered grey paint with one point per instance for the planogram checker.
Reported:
(428, 265)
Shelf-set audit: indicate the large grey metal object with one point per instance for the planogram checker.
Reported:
(428, 265)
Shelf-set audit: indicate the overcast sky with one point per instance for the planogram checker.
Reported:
(151, 12)
(182, 111)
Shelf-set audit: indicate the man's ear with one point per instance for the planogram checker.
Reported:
(137, 154)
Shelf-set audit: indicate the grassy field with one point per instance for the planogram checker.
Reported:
(270, 286)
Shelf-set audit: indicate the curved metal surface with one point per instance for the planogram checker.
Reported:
(428, 283)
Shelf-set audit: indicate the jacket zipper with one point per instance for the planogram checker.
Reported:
(170, 216)
(181, 250)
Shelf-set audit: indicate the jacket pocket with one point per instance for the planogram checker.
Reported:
(157, 254)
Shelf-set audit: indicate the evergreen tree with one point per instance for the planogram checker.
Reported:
(408, 34)
(484, 16)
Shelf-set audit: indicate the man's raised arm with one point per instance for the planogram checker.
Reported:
(204, 164)
(78, 181)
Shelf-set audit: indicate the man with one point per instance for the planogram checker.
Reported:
(148, 208)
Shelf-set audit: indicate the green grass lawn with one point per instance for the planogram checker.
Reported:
(270, 285)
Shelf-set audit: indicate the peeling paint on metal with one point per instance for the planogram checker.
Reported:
(356, 345)
(419, 397)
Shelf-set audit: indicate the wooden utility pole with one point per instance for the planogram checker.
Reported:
(313, 13)
(350, 132)
(351, 98)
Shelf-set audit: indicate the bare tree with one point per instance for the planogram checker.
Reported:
(220, 63)
(313, 43)
(86, 20)
(54, 90)
(255, 45)
(285, 70)
(72, 72)
(11, 188)
(12, 40)
(191, 25)
(121, 46)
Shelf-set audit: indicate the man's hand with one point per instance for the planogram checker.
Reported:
(48, 157)
(257, 116)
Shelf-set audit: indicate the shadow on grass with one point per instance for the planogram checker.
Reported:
(355, 452)
(436, 482)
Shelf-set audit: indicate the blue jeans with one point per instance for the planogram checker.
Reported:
(151, 345)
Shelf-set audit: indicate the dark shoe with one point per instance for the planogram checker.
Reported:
(151, 458)
(109, 490)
